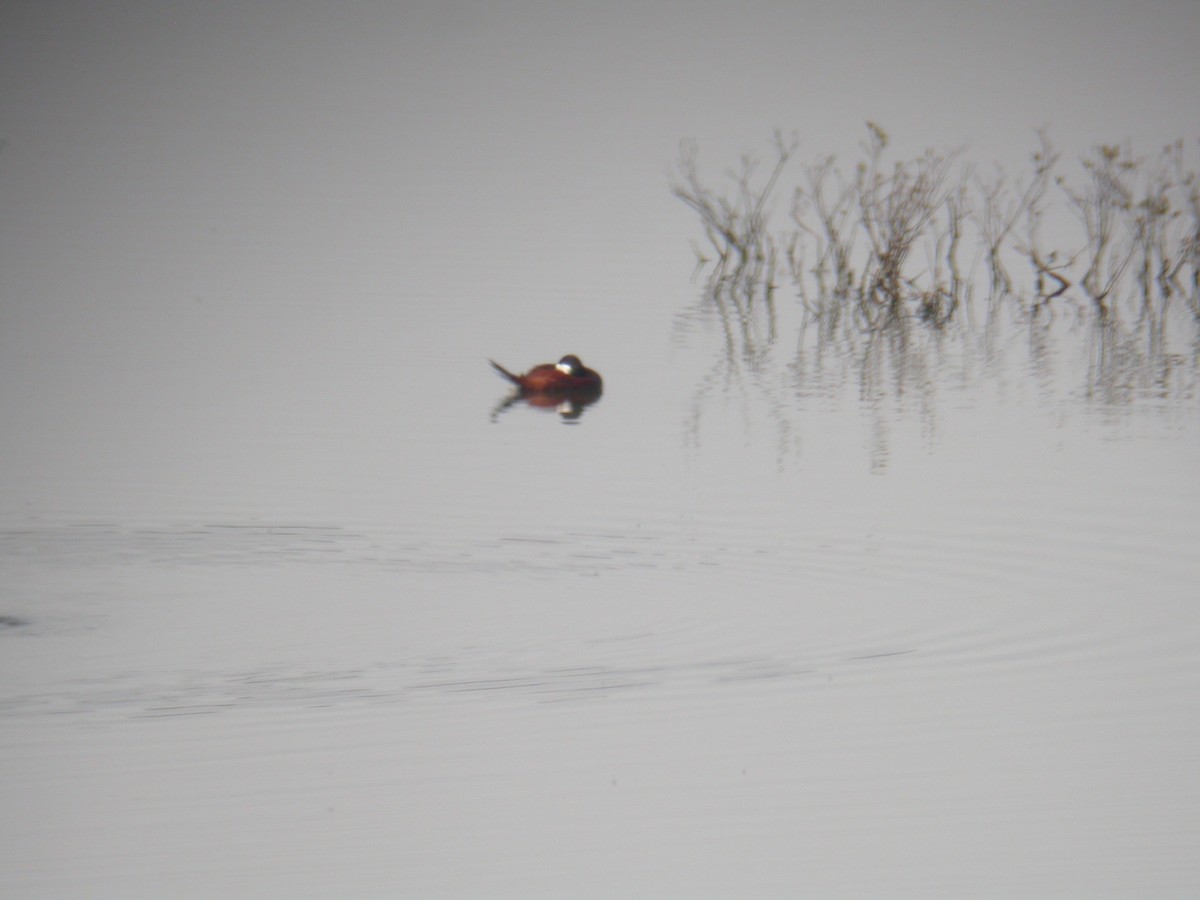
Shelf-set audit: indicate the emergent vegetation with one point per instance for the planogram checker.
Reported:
(910, 239)
(896, 267)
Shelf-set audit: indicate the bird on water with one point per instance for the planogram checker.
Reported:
(567, 376)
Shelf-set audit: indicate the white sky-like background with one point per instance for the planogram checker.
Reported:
(299, 202)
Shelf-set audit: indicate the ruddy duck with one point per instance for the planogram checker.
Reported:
(567, 377)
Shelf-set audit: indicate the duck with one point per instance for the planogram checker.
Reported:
(567, 377)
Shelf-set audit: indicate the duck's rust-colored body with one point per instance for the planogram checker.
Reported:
(567, 378)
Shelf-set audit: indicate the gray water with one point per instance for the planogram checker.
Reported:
(292, 607)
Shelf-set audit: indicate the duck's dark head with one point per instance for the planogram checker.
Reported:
(570, 365)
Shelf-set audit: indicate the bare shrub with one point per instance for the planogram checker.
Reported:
(886, 257)
(854, 239)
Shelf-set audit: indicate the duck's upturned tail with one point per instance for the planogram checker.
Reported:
(507, 374)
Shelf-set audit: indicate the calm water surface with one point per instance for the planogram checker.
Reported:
(630, 660)
(294, 606)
